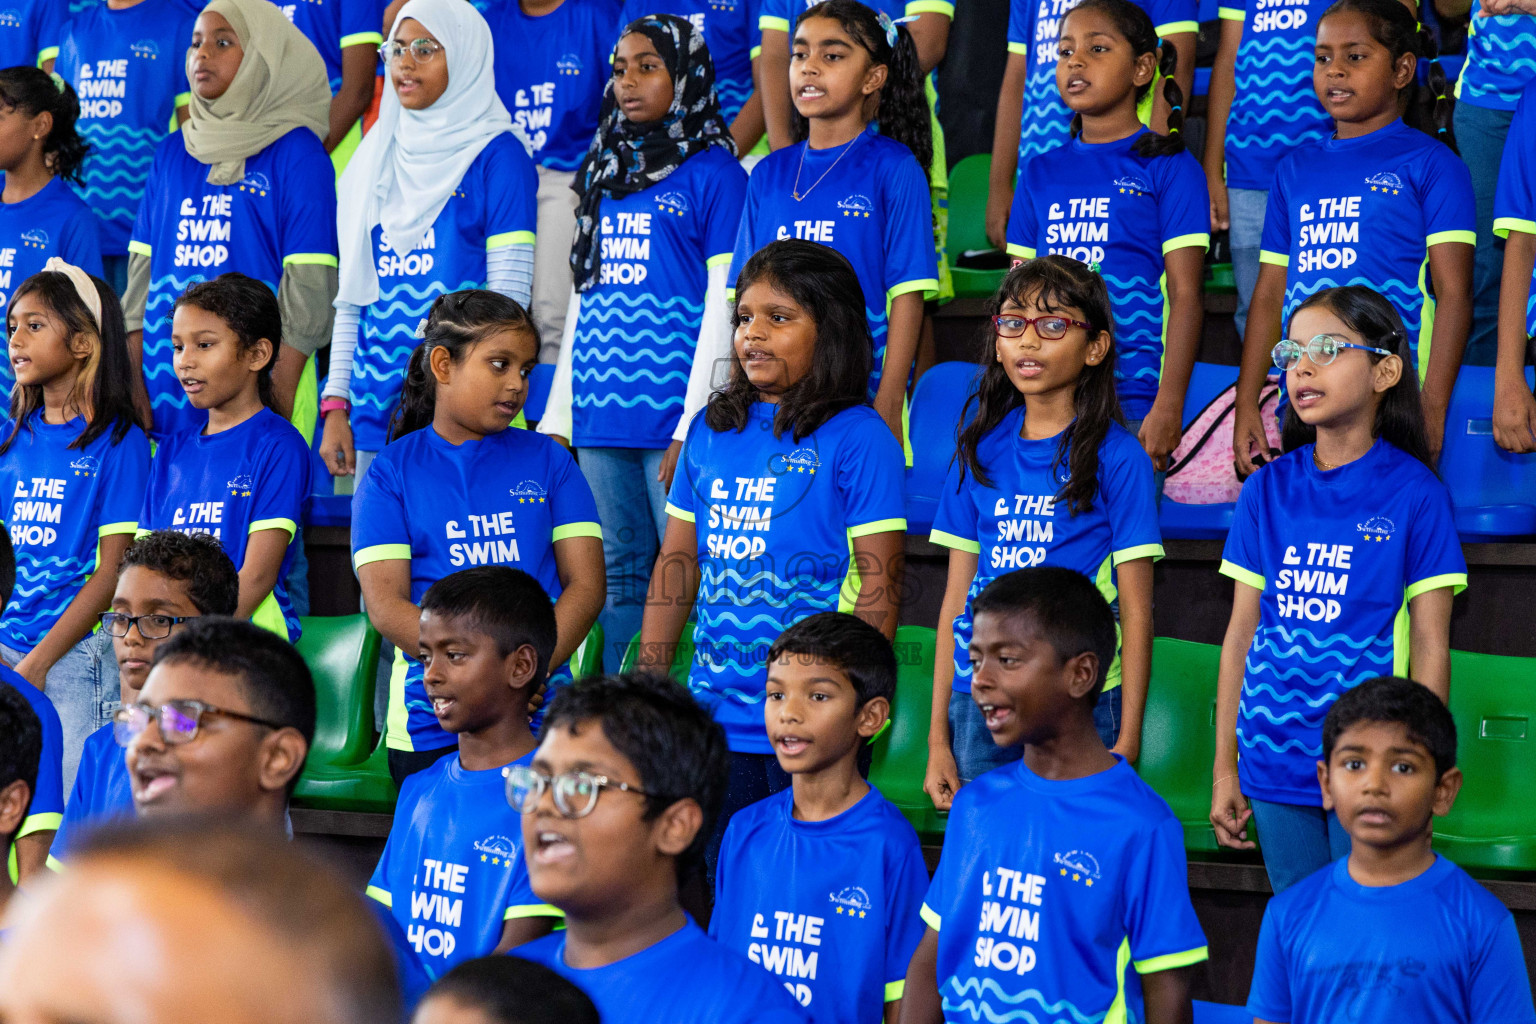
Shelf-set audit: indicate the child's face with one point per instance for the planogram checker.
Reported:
(1023, 687)
(1355, 77)
(1381, 783)
(642, 86)
(39, 342)
(1036, 366)
(471, 685)
(830, 73)
(214, 56)
(1095, 66)
(813, 715)
(20, 134)
(1349, 387)
(208, 361)
(484, 391)
(418, 84)
(775, 338)
(141, 592)
(449, 1010)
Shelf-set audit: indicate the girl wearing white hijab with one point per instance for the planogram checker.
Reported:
(440, 196)
(245, 186)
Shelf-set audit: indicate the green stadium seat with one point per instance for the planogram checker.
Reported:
(1178, 735)
(1219, 279)
(1492, 827)
(968, 227)
(901, 752)
(588, 659)
(348, 767)
(682, 658)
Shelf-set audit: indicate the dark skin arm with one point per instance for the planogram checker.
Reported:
(930, 33)
(1166, 996)
(1450, 266)
(32, 856)
(1218, 108)
(1514, 407)
(674, 586)
(920, 1002)
(1258, 341)
(356, 92)
(748, 126)
(1005, 148)
(1163, 427)
(773, 88)
(879, 558)
(519, 930)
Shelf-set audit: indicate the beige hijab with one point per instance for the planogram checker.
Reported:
(281, 85)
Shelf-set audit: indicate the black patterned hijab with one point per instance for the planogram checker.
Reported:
(626, 157)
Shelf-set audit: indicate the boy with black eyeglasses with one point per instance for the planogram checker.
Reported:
(165, 579)
(452, 872)
(617, 805)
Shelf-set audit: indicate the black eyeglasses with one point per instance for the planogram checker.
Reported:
(178, 720)
(575, 793)
(1050, 328)
(151, 627)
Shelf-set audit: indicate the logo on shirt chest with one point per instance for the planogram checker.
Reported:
(10, 19)
(34, 238)
(145, 49)
(255, 183)
(672, 202)
(1079, 865)
(241, 486)
(851, 901)
(1377, 528)
(86, 466)
(1386, 182)
(801, 460)
(1133, 185)
(529, 492)
(497, 851)
(569, 64)
(856, 205)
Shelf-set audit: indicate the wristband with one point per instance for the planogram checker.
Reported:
(330, 405)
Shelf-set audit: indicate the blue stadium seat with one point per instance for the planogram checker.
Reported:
(539, 383)
(1220, 1013)
(1494, 492)
(1201, 522)
(937, 403)
(328, 509)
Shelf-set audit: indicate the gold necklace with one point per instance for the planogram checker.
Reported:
(1319, 463)
(795, 192)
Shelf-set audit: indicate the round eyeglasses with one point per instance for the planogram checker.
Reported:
(151, 627)
(1322, 350)
(423, 51)
(575, 793)
(179, 720)
(1049, 328)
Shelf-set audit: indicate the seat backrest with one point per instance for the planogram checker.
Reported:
(682, 658)
(1178, 730)
(588, 658)
(901, 753)
(539, 383)
(968, 204)
(1475, 469)
(342, 652)
(937, 403)
(1493, 699)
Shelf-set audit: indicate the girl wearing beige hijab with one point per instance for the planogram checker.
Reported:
(246, 186)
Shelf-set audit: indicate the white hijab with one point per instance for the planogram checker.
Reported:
(408, 166)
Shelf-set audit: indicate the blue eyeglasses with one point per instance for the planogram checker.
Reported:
(1322, 350)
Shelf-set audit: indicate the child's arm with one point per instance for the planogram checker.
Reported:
(1165, 996)
(1229, 810)
(1514, 407)
(518, 930)
(386, 588)
(1005, 147)
(1429, 639)
(669, 602)
(773, 87)
(583, 589)
(748, 127)
(358, 63)
(930, 34)
(264, 552)
(1450, 267)
(941, 781)
(1163, 427)
(1263, 334)
(880, 558)
(920, 1003)
(80, 617)
(1134, 580)
(906, 323)
(1218, 108)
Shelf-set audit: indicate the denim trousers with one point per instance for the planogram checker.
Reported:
(1480, 135)
(631, 505)
(1297, 840)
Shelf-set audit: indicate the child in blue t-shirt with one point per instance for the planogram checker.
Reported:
(617, 804)
(39, 216)
(245, 476)
(1062, 888)
(29, 33)
(245, 187)
(821, 883)
(1514, 220)
(29, 844)
(1394, 931)
(661, 198)
(1378, 204)
(1045, 475)
(346, 33)
(73, 465)
(1130, 203)
(26, 719)
(166, 578)
(452, 872)
(439, 197)
(787, 501)
(458, 487)
(861, 191)
(554, 89)
(1345, 557)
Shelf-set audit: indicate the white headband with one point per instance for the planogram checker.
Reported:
(84, 286)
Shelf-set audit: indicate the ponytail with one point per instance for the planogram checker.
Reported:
(1135, 26)
(1153, 144)
(35, 92)
(1397, 29)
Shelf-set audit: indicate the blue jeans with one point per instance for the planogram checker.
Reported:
(1298, 840)
(753, 777)
(974, 751)
(1480, 135)
(83, 688)
(632, 506)
(1245, 209)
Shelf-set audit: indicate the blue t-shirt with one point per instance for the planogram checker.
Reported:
(63, 501)
(638, 325)
(452, 871)
(129, 69)
(1101, 203)
(334, 25)
(240, 481)
(730, 32)
(102, 791)
(1049, 892)
(1514, 205)
(47, 808)
(775, 519)
(554, 85)
(503, 500)
(1501, 59)
(283, 211)
(1275, 108)
(683, 979)
(1436, 949)
(1338, 556)
(414, 980)
(494, 206)
(1034, 26)
(868, 200)
(831, 907)
(29, 32)
(1016, 523)
(780, 15)
(1365, 211)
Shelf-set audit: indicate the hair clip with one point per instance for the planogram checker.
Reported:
(1093, 268)
(421, 329)
(58, 80)
(888, 26)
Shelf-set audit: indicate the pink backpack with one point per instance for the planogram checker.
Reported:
(1200, 471)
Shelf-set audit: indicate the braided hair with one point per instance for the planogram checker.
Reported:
(1135, 25)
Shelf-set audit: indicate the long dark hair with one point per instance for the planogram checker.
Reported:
(457, 321)
(249, 309)
(103, 390)
(1135, 25)
(34, 92)
(903, 111)
(822, 281)
(1400, 414)
(1394, 27)
(1056, 284)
